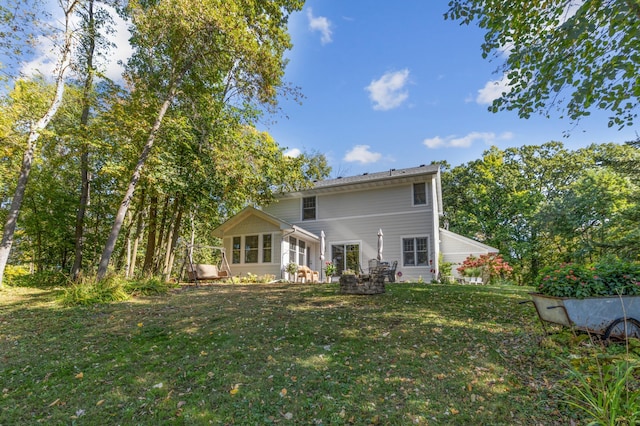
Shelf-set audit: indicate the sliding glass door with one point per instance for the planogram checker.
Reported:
(346, 256)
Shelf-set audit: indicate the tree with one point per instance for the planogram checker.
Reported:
(230, 50)
(561, 54)
(35, 129)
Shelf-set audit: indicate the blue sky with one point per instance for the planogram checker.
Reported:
(394, 85)
(389, 85)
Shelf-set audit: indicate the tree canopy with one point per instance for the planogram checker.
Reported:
(562, 54)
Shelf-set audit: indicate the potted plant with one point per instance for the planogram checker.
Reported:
(595, 298)
(292, 269)
(329, 270)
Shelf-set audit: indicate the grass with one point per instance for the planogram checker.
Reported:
(288, 354)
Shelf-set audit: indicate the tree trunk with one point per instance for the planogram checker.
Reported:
(128, 196)
(34, 134)
(138, 234)
(147, 267)
(162, 230)
(84, 157)
(172, 240)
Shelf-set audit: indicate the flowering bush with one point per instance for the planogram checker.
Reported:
(489, 266)
(607, 278)
(329, 269)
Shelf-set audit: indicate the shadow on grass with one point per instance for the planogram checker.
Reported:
(276, 353)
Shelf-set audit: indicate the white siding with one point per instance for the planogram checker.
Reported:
(357, 216)
(456, 248)
(254, 226)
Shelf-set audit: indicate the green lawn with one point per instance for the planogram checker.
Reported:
(289, 354)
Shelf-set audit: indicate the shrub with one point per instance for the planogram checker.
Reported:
(19, 276)
(490, 266)
(609, 277)
(89, 292)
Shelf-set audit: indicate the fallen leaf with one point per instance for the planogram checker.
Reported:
(283, 392)
(140, 324)
(80, 375)
(288, 416)
(99, 403)
(158, 386)
(181, 403)
(235, 389)
(54, 402)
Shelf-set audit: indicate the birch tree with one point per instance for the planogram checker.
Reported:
(182, 47)
(35, 130)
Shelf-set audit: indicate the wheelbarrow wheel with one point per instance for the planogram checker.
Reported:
(629, 327)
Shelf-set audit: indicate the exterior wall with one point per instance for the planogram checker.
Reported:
(356, 217)
(456, 248)
(254, 226)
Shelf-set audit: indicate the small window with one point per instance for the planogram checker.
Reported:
(415, 251)
(235, 253)
(266, 248)
(309, 208)
(251, 249)
(419, 194)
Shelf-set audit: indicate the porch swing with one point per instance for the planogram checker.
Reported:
(207, 272)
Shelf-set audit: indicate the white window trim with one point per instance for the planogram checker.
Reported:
(330, 244)
(426, 195)
(302, 219)
(260, 248)
(429, 264)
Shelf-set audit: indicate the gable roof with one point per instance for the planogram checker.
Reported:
(468, 241)
(284, 226)
(386, 176)
(372, 180)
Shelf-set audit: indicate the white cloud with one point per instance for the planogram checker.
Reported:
(388, 91)
(493, 90)
(46, 53)
(361, 154)
(122, 50)
(293, 152)
(321, 24)
(466, 141)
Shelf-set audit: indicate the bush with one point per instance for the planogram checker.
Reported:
(610, 277)
(89, 292)
(19, 276)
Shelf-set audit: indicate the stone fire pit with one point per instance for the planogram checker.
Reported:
(366, 284)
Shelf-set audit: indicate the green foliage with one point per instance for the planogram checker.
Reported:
(610, 277)
(609, 394)
(329, 268)
(42, 279)
(559, 54)
(254, 279)
(88, 291)
(292, 268)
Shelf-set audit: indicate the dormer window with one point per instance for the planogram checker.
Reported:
(419, 194)
(309, 208)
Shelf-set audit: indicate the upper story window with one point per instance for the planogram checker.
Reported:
(309, 208)
(419, 194)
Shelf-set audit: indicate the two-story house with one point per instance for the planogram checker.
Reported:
(344, 216)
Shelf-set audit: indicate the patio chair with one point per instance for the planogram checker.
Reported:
(373, 265)
(391, 272)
